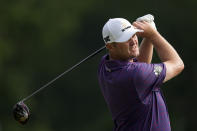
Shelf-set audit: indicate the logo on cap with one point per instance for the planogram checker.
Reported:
(106, 39)
(125, 26)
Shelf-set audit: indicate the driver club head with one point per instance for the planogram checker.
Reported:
(21, 113)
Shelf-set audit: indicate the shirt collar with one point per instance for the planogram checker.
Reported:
(114, 64)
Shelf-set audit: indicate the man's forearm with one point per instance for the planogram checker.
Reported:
(146, 51)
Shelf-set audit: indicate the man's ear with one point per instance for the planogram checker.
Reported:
(109, 46)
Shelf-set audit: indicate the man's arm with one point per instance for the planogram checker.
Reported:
(146, 51)
(146, 46)
(167, 54)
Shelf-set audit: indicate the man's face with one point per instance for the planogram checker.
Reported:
(125, 50)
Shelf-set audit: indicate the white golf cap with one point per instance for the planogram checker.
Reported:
(118, 30)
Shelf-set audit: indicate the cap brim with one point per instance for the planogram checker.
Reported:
(128, 34)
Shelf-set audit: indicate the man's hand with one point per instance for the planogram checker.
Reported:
(148, 18)
(148, 29)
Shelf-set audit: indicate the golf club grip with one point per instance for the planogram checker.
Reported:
(68, 70)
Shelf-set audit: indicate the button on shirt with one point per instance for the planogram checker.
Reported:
(133, 95)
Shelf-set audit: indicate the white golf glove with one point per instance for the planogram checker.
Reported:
(148, 18)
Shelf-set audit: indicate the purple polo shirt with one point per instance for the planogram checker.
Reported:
(133, 95)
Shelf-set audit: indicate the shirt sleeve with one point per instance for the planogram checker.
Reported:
(148, 77)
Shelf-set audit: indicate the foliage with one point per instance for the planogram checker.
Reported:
(41, 39)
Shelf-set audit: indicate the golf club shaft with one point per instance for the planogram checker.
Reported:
(65, 72)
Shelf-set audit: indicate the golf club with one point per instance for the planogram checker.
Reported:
(21, 111)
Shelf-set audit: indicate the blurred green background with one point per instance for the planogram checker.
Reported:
(40, 39)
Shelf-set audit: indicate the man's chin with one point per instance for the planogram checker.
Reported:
(135, 55)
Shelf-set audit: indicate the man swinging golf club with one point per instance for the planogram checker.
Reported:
(129, 82)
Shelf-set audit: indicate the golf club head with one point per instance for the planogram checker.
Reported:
(21, 113)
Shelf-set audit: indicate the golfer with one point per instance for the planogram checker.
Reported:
(129, 82)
